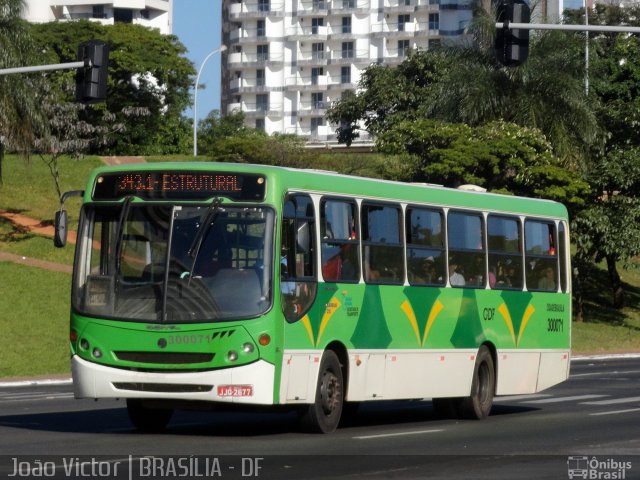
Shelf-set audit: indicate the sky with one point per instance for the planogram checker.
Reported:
(197, 23)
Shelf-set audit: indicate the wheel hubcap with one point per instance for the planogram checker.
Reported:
(330, 392)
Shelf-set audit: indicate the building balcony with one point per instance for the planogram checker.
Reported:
(246, 36)
(309, 83)
(253, 60)
(395, 56)
(341, 85)
(256, 110)
(393, 30)
(255, 10)
(399, 6)
(313, 59)
(346, 7)
(340, 33)
(311, 109)
(430, 6)
(313, 8)
(349, 57)
(427, 30)
(250, 85)
(313, 33)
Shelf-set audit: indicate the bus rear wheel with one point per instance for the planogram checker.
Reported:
(478, 405)
(147, 419)
(323, 415)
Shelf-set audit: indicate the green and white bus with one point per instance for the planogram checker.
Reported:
(201, 284)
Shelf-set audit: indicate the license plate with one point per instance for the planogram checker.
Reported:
(235, 390)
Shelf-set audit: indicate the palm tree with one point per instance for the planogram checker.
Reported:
(546, 92)
(464, 83)
(20, 115)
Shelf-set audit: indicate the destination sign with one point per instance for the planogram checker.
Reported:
(175, 185)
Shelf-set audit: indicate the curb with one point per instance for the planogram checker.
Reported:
(35, 383)
(68, 381)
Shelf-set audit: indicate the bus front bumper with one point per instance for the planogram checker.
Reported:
(248, 384)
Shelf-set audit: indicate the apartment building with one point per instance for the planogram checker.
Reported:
(149, 13)
(288, 60)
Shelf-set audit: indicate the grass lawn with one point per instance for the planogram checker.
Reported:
(29, 189)
(17, 241)
(34, 319)
(606, 329)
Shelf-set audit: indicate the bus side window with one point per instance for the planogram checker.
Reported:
(339, 231)
(297, 260)
(505, 252)
(541, 257)
(467, 264)
(425, 247)
(383, 260)
(562, 247)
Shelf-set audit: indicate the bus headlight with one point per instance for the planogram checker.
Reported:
(97, 353)
(232, 356)
(84, 344)
(248, 348)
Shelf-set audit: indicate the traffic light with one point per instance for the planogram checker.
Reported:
(512, 45)
(91, 81)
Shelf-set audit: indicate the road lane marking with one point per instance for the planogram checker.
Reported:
(514, 398)
(615, 412)
(613, 401)
(565, 399)
(399, 434)
(615, 372)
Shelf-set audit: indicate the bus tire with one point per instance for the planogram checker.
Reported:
(323, 415)
(147, 419)
(483, 386)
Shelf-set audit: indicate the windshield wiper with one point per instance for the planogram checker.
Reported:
(209, 219)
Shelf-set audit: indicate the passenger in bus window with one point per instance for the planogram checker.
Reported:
(492, 277)
(548, 280)
(455, 278)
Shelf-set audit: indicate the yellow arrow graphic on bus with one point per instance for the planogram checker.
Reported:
(408, 311)
(504, 311)
(306, 321)
(331, 308)
(525, 320)
(436, 308)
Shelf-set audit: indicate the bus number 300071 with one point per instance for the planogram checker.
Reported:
(555, 325)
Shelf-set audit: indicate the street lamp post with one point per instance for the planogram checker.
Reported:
(220, 49)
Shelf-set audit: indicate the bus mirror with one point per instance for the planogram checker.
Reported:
(60, 229)
(303, 238)
(60, 220)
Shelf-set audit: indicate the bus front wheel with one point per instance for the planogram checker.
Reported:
(478, 405)
(147, 419)
(323, 415)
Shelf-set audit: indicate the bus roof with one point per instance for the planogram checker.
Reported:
(281, 179)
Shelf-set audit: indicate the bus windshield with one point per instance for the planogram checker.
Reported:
(138, 262)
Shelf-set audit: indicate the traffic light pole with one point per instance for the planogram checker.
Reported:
(92, 71)
(44, 68)
(567, 28)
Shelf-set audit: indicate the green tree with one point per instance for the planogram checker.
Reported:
(254, 146)
(20, 115)
(215, 127)
(67, 133)
(609, 228)
(499, 156)
(147, 70)
(466, 84)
